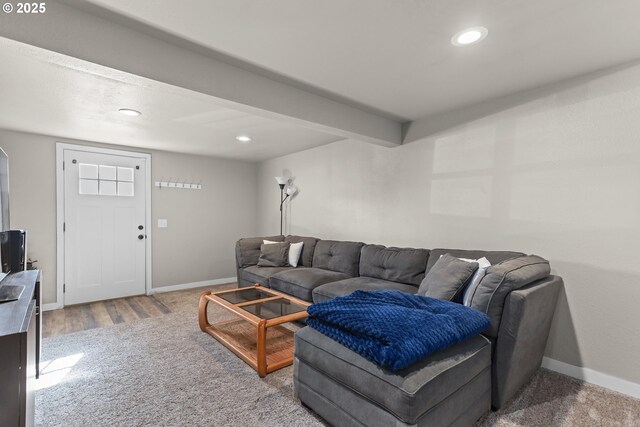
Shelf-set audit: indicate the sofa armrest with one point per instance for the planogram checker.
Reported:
(522, 337)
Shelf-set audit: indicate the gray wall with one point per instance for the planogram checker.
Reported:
(203, 225)
(558, 176)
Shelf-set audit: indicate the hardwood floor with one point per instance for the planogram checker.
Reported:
(122, 310)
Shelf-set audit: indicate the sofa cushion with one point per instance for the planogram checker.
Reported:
(501, 279)
(306, 259)
(404, 265)
(248, 249)
(448, 278)
(255, 274)
(346, 286)
(494, 257)
(301, 281)
(337, 256)
(407, 394)
(274, 255)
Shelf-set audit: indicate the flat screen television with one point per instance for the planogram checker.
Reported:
(4, 191)
(4, 199)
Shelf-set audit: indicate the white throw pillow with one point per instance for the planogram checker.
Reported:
(483, 264)
(295, 250)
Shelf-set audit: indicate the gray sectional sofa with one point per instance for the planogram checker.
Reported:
(452, 387)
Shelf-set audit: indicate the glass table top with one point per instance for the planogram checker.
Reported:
(270, 309)
(244, 295)
(274, 308)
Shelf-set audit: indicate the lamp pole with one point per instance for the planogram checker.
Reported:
(282, 199)
(291, 190)
(281, 202)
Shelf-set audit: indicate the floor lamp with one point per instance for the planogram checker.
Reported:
(290, 191)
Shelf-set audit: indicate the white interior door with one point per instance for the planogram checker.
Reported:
(104, 226)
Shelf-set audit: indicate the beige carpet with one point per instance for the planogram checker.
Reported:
(552, 399)
(165, 372)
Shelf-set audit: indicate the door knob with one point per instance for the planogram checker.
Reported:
(140, 236)
(140, 227)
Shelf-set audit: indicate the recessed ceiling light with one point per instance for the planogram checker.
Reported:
(129, 112)
(469, 36)
(243, 138)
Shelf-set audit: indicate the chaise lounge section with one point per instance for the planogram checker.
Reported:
(451, 387)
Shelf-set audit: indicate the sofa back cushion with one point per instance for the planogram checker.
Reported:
(338, 256)
(494, 257)
(502, 278)
(402, 265)
(248, 249)
(306, 258)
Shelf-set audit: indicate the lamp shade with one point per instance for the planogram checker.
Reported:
(282, 180)
(291, 190)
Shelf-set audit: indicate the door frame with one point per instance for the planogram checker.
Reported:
(60, 147)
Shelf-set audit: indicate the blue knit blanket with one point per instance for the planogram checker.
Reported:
(394, 329)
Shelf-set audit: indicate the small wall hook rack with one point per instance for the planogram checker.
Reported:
(182, 184)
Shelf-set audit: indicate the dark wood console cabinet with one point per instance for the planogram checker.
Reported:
(20, 338)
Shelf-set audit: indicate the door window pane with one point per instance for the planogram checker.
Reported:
(89, 186)
(105, 180)
(88, 171)
(107, 188)
(125, 174)
(125, 189)
(108, 173)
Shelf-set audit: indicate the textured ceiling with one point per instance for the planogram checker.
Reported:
(396, 56)
(54, 95)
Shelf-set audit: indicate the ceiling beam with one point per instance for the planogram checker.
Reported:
(73, 32)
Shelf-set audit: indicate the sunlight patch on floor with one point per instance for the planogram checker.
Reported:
(52, 372)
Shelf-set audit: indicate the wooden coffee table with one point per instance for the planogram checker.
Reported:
(256, 335)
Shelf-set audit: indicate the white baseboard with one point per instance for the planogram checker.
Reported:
(192, 285)
(593, 377)
(51, 306)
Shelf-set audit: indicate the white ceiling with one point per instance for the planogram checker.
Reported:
(395, 56)
(47, 93)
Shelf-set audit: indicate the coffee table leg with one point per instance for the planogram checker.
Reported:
(262, 351)
(202, 311)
